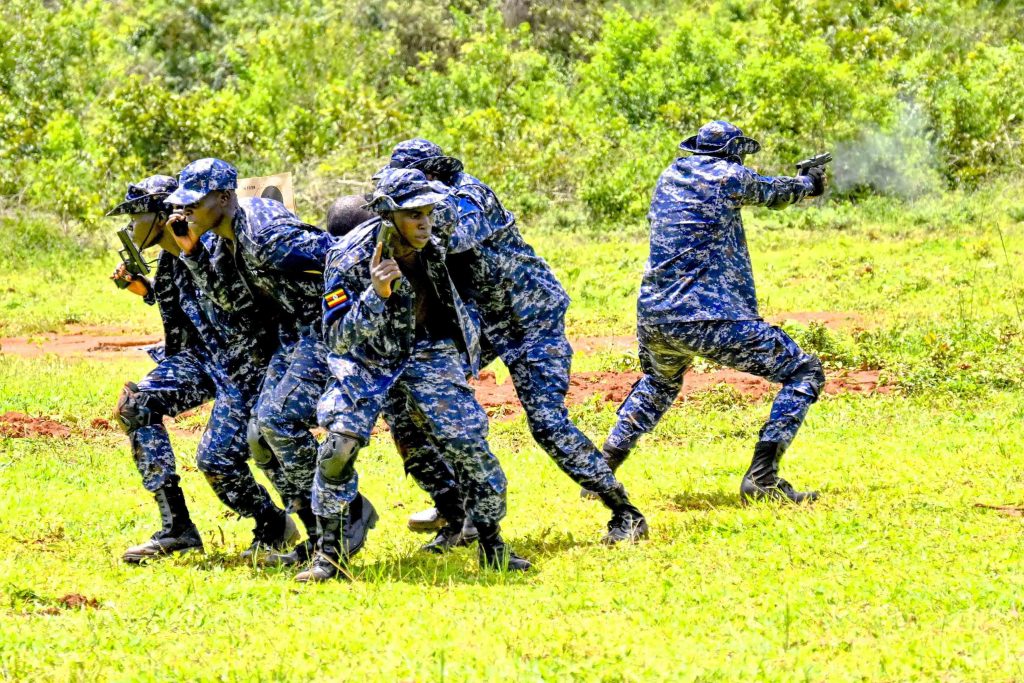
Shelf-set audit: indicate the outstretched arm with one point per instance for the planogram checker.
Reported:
(772, 192)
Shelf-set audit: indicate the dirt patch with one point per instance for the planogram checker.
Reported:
(20, 426)
(500, 400)
(833, 320)
(78, 601)
(1008, 510)
(103, 342)
(69, 602)
(618, 343)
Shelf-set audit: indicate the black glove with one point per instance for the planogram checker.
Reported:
(817, 176)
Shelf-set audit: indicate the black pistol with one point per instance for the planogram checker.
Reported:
(817, 160)
(132, 258)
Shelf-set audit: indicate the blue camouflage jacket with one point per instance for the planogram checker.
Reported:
(520, 302)
(237, 341)
(281, 260)
(381, 332)
(699, 266)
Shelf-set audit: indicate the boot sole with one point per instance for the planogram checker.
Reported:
(424, 527)
(141, 559)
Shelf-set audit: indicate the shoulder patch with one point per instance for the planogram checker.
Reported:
(338, 297)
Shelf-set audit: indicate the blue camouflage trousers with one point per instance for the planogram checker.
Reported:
(753, 346)
(182, 382)
(430, 391)
(286, 410)
(541, 384)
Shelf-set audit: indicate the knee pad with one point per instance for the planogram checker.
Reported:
(338, 457)
(809, 377)
(261, 453)
(133, 411)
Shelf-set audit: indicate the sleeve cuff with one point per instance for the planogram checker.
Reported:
(373, 301)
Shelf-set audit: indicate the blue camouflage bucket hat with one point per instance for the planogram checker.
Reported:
(202, 177)
(426, 156)
(405, 188)
(146, 196)
(720, 138)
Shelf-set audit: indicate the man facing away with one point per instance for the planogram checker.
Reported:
(698, 298)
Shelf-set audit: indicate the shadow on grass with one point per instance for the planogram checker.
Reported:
(698, 500)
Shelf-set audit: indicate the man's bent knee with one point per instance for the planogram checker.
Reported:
(338, 456)
(808, 378)
(261, 453)
(133, 411)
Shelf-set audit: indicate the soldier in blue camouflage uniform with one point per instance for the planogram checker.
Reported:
(522, 307)
(208, 354)
(281, 262)
(396, 328)
(697, 298)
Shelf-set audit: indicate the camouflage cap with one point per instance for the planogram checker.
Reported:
(720, 138)
(146, 196)
(202, 177)
(425, 156)
(405, 188)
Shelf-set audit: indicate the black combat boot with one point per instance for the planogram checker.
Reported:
(495, 554)
(328, 560)
(614, 457)
(627, 522)
(178, 534)
(360, 517)
(762, 480)
(274, 530)
(302, 509)
(458, 530)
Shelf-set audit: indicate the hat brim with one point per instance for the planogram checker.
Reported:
(738, 145)
(442, 165)
(184, 197)
(387, 204)
(143, 204)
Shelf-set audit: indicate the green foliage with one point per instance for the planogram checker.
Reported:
(561, 106)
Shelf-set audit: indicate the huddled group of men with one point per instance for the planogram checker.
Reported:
(410, 291)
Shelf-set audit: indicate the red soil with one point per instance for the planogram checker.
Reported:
(20, 426)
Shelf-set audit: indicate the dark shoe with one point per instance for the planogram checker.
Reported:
(495, 553)
(328, 561)
(458, 531)
(299, 554)
(163, 544)
(614, 457)
(762, 480)
(360, 517)
(448, 538)
(627, 523)
(274, 530)
(177, 535)
(426, 521)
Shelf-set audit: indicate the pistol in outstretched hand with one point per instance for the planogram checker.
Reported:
(817, 160)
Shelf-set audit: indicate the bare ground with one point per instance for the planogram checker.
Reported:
(500, 400)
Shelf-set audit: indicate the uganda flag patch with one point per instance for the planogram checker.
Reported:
(336, 298)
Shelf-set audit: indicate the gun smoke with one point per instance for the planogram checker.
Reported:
(899, 162)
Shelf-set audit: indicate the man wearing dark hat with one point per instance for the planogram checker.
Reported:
(208, 354)
(281, 261)
(396, 328)
(697, 298)
(522, 307)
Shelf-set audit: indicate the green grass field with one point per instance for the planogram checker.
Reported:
(894, 575)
